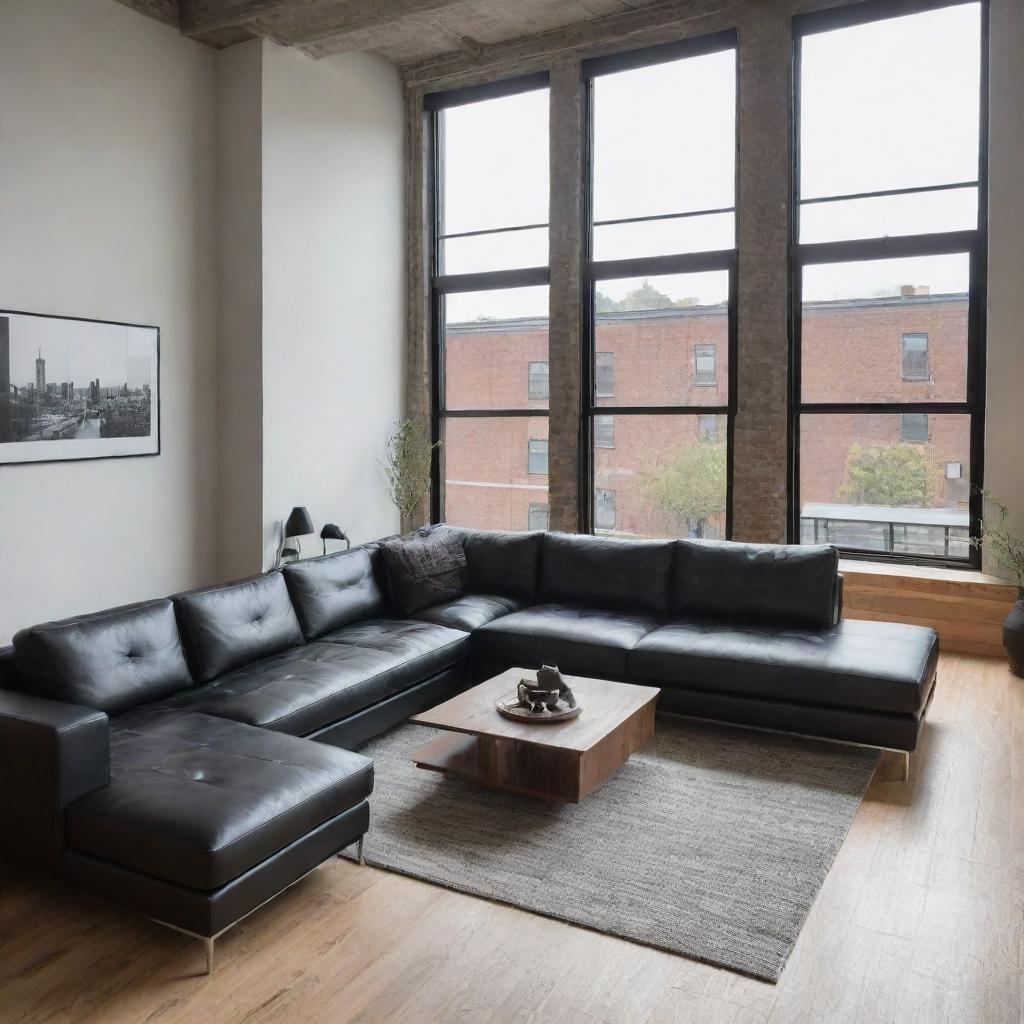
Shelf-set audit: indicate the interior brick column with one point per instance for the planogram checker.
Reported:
(566, 127)
(760, 440)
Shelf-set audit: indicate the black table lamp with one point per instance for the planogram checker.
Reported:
(298, 525)
(333, 532)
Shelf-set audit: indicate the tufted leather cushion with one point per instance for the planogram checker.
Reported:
(199, 800)
(469, 612)
(785, 584)
(232, 625)
(503, 563)
(333, 591)
(881, 666)
(581, 641)
(423, 647)
(607, 572)
(111, 660)
(305, 689)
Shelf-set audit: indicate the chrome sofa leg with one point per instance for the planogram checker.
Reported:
(906, 766)
(208, 942)
(359, 851)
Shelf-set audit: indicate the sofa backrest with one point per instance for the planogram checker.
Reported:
(234, 624)
(783, 584)
(112, 660)
(607, 572)
(506, 564)
(332, 591)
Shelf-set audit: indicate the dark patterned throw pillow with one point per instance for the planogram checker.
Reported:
(425, 570)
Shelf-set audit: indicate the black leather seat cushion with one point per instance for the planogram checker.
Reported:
(199, 800)
(583, 641)
(111, 660)
(607, 572)
(302, 690)
(232, 625)
(781, 584)
(881, 666)
(471, 611)
(332, 591)
(422, 648)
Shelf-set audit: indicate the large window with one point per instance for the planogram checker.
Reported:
(888, 274)
(490, 303)
(660, 273)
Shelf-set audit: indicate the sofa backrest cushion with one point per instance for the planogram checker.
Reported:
(234, 624)
(111, 660)
(607, 572)
(784, 584)
(504, 564)
(333, 591)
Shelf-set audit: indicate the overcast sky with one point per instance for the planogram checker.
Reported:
(886, 105)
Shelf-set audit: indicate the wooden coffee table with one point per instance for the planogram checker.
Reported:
(556, 761)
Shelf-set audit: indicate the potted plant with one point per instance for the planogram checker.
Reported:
(407, 464)
(1007, 550)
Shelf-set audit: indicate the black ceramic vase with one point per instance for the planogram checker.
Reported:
(1013, 637)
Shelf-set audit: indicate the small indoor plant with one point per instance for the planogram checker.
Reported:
(1007, 550)
(407, 464)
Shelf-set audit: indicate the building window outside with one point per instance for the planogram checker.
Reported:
(604, 431)
(915, 357)
(707, 428)
(537, 456)
(538, 380)
(538, 517)
(604, 509)
(604, 375)
(704, 366)
(914, 426)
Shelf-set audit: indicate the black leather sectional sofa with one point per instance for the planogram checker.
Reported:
(187, 757)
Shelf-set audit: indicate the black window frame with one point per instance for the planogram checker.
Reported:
(434, 105)
(596, 271)
(974, 243)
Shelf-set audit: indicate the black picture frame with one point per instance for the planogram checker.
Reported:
(153, 445)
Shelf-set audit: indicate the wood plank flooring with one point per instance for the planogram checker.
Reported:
(920, 921)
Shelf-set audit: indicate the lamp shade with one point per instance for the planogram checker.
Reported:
(331, 531)
(299, 524)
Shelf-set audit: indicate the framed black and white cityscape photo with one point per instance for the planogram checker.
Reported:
(77, 389)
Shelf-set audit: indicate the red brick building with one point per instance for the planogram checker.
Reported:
(895, 349)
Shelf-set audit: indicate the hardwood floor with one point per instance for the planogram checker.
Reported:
(919, 922)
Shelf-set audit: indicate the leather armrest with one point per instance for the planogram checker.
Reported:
(51, 754)
(837, 611)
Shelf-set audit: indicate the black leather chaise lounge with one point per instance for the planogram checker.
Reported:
(186, 757)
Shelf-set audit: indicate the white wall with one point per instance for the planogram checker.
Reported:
(106, 211)
(240, 309)
(333, 289)
(1004, 426)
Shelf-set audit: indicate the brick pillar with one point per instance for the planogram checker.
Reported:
(760, 441)
(417, 381)
(566, 127)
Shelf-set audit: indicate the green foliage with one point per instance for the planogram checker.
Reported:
(691, 487)
(897, 475)
(644, 297)
(407, 465)
(1006, 548)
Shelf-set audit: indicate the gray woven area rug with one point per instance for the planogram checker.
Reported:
(712, 842)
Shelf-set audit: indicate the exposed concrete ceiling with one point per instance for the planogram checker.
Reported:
(403, 32)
